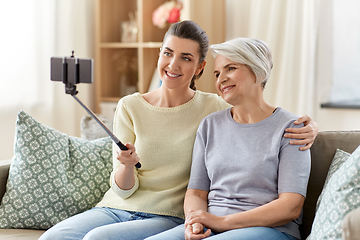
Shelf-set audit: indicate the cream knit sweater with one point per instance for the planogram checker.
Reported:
(163, 138)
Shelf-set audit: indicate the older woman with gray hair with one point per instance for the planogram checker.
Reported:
(247, 181)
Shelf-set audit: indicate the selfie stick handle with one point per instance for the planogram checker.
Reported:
(114, 138)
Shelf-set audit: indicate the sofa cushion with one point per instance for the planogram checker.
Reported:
(338, 160)
(23, 234)
(350, 225)
(91, 130)
(52, 176)
(322, 154)
(341, 195)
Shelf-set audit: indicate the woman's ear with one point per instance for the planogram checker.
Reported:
(201, 67)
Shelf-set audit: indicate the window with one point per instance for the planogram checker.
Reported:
(25, 47)
(345, 90)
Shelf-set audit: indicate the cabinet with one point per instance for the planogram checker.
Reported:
(125, 67)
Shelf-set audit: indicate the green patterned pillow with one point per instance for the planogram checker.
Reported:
(52, 176)
(339, 158)
(341, 196)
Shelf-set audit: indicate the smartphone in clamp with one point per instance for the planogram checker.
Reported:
(71, 71)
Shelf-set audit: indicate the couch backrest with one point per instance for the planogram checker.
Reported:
(322, 153)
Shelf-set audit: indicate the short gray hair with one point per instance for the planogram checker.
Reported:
(251, 52)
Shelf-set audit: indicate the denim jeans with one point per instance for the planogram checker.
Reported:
(251, 233)
(108, 223)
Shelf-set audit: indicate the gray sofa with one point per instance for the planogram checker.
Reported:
(322, 153)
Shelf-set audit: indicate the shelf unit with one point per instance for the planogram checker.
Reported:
(125, 67)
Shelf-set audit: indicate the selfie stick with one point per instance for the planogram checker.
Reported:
(70, 88)
(113, 137)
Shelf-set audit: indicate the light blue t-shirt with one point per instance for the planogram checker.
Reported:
(244, 166)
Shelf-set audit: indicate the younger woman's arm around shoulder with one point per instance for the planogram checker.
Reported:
(275, 213)
(305, 135)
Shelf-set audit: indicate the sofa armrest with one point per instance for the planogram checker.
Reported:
(351, 225)
(4, 173)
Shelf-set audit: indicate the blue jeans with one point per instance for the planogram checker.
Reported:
(108, 223)
(251, 233)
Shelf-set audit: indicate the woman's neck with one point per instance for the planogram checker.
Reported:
(251, 112)
(163, 97)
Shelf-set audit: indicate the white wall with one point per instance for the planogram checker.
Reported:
(338, 119)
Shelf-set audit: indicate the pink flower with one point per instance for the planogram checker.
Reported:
(174, 15)
(169, 12)
(160, 16)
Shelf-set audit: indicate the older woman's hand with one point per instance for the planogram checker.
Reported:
(196, 231)
(306, 134)
(213, 222)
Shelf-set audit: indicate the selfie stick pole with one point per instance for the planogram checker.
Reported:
(71, 89)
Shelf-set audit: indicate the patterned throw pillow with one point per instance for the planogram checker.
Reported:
(339, 158)
(52, 176)
(341, 196)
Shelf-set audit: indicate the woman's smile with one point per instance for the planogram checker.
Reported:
(227, 88)
(172, 75)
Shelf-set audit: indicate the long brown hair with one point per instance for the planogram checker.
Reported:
(190, 30)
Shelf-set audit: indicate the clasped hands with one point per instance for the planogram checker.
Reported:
(196, 221)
